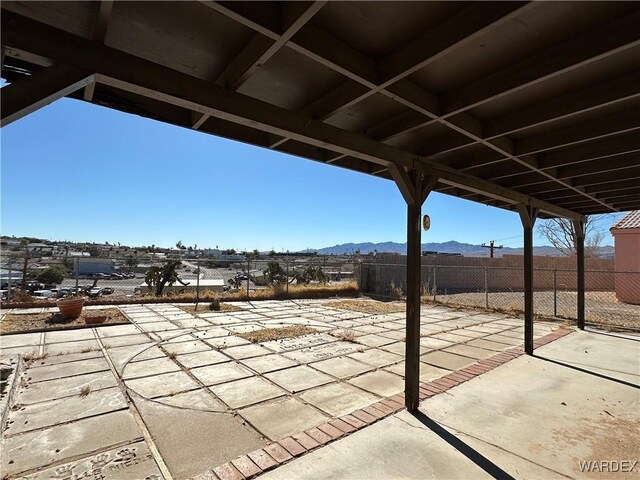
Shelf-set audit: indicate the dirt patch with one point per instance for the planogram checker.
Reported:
(204, 308)
(268, 334)
(372, 307)
(29, 322)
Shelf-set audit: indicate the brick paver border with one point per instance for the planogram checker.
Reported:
(278, 453)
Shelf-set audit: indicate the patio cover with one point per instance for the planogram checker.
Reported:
(530, 107)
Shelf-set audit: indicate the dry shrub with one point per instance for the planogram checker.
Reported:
(344, 335)
(268, 334)
(372, 307)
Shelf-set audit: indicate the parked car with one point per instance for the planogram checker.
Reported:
(42, 294)
(106, 291)
(62, 292)
(95, 292)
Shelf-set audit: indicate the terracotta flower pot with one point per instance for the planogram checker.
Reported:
(71, 307)
(95, 319)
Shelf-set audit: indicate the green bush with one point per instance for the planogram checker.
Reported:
(52, 275)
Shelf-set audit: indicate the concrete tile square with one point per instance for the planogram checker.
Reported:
(247, 391)
(145, 368)
(222, 372)
(338, 399)
(201, 359)
(379, 382)
(376, 357)
(450, 361)
(39, 415)
(282, 417)
(160, 385)
(246, 351)
(342, 367)
(33, 449)
(64, 387)
(70, 347)
(268, 363)
(62, 370)
(299, 378)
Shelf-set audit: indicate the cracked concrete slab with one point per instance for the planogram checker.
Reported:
(65, 387)
(38, 415)
(129, 461)
(192, 441)
(44, 447)
(62, 370)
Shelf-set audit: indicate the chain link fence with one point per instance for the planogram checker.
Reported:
(609, 295)
(120, 278)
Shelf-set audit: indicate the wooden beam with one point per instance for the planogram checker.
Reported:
(131, 73)
(601, 128)
(617, 91)
(332, 53)
(592, 151)
(260, 48)
(446, 37)
(101, 23)
(98, 34)
(611, 39)
(405, 184)
(25, 96)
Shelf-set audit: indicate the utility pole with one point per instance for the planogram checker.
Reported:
(491, 247)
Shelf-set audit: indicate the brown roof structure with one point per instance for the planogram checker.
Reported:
(531, 107)
(505, 103)
(630, 220)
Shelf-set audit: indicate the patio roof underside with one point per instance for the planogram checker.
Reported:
(506, 103)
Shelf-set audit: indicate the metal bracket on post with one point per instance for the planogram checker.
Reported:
(528, 215)
(414, 189)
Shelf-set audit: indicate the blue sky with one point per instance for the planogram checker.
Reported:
(85, 173)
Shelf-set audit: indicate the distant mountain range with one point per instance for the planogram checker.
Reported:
(466, 249)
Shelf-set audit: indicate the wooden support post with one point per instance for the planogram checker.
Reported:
(528, 215)
(415, 190)
(579, 233)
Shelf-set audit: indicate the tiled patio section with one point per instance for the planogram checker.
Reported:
(174, 394)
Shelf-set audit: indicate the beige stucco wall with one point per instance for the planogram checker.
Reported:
(627, 259)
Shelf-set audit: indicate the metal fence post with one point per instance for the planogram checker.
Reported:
(486, 288)
(287, 263)
(197, 282)
(360, 279)
(435, 284)
(555, 293)
(76, 267)
(248, 274)
(10, 281)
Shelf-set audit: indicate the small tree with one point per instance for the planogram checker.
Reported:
(561, 234)
(310, 274)
(158, 277)
(131, 262)
(275, 274)
(52, 275)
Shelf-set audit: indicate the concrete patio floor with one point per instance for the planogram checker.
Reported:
(173, 394)
(576, 400)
